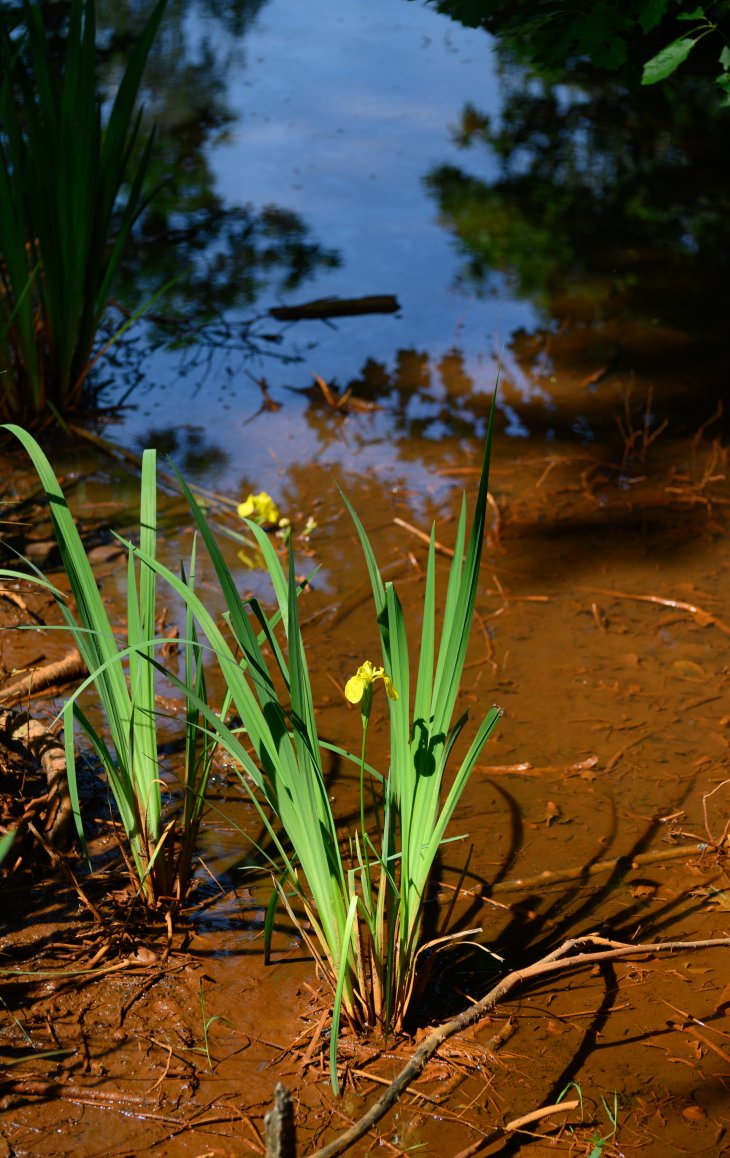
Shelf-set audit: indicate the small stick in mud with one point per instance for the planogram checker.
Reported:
(279, 1127)
(518, 1124)
(440, 548)
(703, 618)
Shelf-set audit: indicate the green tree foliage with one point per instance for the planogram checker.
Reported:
(222, 256)
(620, 35)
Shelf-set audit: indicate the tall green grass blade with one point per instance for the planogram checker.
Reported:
(424, 682)
(373, 570)
(460, 781)
(339, 991)
(129, 757)
(69, 709)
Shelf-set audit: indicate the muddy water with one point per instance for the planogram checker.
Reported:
(602, 631)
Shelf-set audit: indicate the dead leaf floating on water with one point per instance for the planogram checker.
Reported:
(346, 401)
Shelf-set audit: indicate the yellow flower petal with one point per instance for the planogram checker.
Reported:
(266, 509)
(261, 508)
(354, 689)
(364, 678)
(389, 689)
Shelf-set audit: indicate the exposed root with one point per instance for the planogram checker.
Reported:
(53, 811)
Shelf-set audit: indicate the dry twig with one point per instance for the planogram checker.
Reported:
(702, 617)
(518, 1124)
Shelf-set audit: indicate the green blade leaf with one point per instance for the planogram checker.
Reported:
(665, 62)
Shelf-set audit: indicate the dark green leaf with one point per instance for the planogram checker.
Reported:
(652, 13)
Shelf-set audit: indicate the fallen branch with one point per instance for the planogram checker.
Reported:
(600, 866)
(51, 675)
(567, 956)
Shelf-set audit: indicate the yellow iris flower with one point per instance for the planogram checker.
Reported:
(263, 510)
(363, 680)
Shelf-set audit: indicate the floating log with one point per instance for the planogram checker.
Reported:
(324, 308)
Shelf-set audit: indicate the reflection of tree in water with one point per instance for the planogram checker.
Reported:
(419, 400)
(603, 186)
(558, 37)
(222, 256)
(232, 17)
(189, 447)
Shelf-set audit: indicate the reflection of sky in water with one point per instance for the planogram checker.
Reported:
(343, 108)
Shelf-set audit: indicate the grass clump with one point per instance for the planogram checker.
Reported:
(358, 903)
(71, 186)
(159, 853)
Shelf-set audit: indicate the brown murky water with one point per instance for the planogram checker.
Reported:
(602, 630)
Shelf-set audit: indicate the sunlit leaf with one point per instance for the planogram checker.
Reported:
(665, 62)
